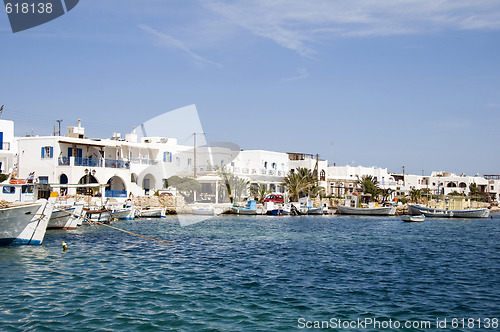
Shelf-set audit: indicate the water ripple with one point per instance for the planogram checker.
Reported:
(252, 273)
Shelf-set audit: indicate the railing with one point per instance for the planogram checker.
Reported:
(64, 161)
(116, 193)
(113, 163)
(143, 161)
(92, 162)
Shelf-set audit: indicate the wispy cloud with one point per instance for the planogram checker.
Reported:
(298, 24)
(167, 41)
(301, 74)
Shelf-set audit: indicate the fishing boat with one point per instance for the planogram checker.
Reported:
(97, 215)
(414, 209)
(148, 212)
(410, 218)
(66, 217)
(25, 223)
(275, 209)
(249, 209)
(123, 213)
(353, 207)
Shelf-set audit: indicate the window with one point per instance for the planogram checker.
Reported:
(273, 166)
(8, 190)
(322, 175)
(47, 151)
(43, 179)
(167, 157)
(265, 164)
(189, 161)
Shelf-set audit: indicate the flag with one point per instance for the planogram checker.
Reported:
(1, 109)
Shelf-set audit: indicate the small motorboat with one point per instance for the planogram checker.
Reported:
(410, 218)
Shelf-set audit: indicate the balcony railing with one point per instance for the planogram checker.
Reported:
(5, 146)
(143, 161)
(93, 162)
(113, 163)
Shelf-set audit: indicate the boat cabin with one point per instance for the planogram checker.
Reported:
(17, 192)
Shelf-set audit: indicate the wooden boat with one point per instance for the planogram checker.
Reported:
(249, 209)
(352, 207)
(123, 214)
(440, 213)
(370, 211)
(25, 223)
(68, 217)
(97, 215)
(416, 218)
(150, 212)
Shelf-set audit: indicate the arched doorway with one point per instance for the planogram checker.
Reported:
(87, 179)
(148, 183)
(63, 179)
(116, 187)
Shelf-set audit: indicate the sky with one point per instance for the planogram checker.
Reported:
(385, 83)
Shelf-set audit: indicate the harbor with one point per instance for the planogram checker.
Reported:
(252, 273)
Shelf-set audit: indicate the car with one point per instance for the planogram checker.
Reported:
(274, 198)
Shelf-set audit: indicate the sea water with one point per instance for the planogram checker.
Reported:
(257, 273)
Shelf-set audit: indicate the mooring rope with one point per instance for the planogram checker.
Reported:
(122, 230)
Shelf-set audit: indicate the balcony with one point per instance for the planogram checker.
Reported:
(93, 162)
(143, 161)
(5, 146)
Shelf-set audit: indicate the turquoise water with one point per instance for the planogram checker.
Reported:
(244, 273)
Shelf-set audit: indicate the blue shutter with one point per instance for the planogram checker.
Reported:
(170, 157)
(51, 152)
(43, 152)
(164, 156)
(70, 152)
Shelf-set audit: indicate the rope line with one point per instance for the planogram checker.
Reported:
(122, 230)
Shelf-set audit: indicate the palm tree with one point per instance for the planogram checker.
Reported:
(415, 195)
(302, 183)
(261, 192)
(369, 185)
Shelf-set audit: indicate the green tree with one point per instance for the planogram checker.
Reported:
(302, 183)
(369, 185)
(260, 192)
(415, 195)
(185, 186)
(235, 187)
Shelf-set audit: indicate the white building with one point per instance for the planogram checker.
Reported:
(344, 179)
(8, 146)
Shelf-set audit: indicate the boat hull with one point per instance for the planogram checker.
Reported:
(25, 224)
(150, 213)
(102, 216)
(416, 218)
(124, 214)
(68, 218)
(439, 213)
(242, 210)
(377, 211)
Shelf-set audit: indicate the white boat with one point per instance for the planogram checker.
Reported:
(68, 217)
(440, 213)
(206, 210)
(150, 213)
(123, 213)
(97, 215)
(416, 218)
(369, 211)
(352, 207)
(249, 209)
(25, 223)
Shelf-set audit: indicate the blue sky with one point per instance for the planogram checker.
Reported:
(367, 82)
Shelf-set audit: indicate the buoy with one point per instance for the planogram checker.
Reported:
(65, 247)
